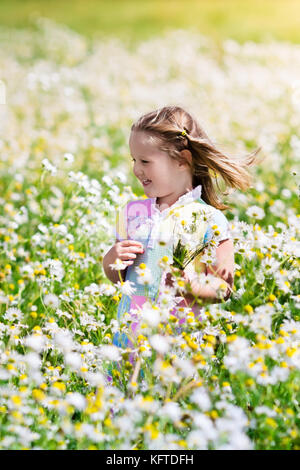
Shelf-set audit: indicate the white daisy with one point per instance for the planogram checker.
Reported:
(110, 352)
(69, 157)
(126, 287)
(150, 315)
(160, 343)
(48, 166)
(51, 300)
(118, 265)
(256, 212)
(13, 314)
(77, 400)
(145, 278)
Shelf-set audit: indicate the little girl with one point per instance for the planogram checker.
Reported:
(174, 160)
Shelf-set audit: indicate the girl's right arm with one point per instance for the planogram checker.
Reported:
(126, 251)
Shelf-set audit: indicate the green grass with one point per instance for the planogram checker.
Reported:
(134, 20)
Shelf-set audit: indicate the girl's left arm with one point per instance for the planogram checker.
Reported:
(223, 271)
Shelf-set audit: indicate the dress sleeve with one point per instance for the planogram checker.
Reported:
(121, 223)
(218, 227)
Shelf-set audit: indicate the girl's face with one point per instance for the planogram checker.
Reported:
(161, 176)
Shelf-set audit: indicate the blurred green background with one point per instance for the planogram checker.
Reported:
(134, 20)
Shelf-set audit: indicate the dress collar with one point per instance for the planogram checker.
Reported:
(187, 197)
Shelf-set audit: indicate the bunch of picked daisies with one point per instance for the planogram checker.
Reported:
(188, 240)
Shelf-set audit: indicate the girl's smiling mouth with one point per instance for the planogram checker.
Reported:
(146, 182)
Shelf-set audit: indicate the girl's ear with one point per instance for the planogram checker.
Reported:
(187, 156)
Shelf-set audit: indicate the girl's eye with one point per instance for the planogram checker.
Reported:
(143, 161)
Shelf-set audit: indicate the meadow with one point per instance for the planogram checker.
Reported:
(229, 381)
(133, 20)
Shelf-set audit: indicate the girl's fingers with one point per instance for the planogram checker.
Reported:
(131, 243)
(132, 249)
(135, 249)
(129, 255)
(133, 246)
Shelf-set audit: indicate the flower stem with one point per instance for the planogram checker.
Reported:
(136, 370)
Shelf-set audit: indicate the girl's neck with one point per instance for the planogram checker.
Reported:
(168, 201)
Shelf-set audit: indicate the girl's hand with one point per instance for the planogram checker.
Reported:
(126, 251)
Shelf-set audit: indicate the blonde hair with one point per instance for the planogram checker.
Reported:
(165, 127)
